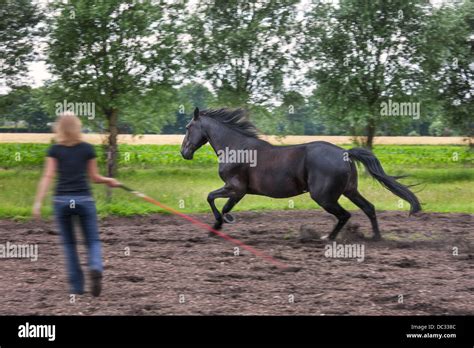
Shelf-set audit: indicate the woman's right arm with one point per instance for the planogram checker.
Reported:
(94, 175)
(49, 172)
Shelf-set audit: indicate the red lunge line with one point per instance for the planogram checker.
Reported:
(206, 226)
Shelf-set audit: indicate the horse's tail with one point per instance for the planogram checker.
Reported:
(375, 169)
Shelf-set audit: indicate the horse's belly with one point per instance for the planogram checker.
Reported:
(275, 187)
(280, 173)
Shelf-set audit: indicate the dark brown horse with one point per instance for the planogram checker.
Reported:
(324, 170)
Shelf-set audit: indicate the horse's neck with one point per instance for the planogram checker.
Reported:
(220, 138)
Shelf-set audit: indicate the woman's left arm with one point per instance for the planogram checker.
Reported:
(48, 175)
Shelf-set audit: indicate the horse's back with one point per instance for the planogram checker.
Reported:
(325, 155)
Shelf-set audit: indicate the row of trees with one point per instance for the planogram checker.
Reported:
(29, 109)
(327, 65)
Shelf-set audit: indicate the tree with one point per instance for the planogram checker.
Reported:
(188, 97)
(110, 52)
(454, 71)
(25, 104)
(19, 27)
(241, 47)
(294, 116)
(149, 111)
(362, 53)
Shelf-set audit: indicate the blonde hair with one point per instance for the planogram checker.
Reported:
(68, 129)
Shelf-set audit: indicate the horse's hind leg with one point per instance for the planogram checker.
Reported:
(341, 214)
(367, 208)
(331, 205)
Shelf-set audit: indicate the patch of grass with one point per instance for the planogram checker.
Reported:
(444, 173)
(186, 189)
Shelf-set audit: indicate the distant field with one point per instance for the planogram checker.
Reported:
(445, 174)
(176, 139)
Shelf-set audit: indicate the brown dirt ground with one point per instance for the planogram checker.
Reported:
(170, 257)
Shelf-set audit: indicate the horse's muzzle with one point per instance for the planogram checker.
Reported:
(187, 152)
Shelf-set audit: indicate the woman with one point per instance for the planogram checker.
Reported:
(74, 160)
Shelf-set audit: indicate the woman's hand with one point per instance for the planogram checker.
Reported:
(37, 210)
(111, 182)
(94, 175)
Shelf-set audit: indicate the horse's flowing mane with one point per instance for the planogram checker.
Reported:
(236, 119)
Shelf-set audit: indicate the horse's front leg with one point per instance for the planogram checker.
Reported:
(223, 192)
(231, 202)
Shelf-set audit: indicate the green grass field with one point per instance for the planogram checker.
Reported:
(445, 174)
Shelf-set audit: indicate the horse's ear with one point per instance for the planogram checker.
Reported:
(196, 113)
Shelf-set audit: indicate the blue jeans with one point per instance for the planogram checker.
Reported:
(65, 207)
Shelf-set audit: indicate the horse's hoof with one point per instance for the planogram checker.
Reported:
(217, 226)
(377, 238)
(229, 218)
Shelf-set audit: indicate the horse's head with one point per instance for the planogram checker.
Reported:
(195, 137)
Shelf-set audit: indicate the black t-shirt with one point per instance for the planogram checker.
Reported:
(72, 168)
